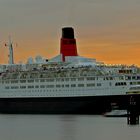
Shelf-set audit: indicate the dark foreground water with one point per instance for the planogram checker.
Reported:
(66, 127)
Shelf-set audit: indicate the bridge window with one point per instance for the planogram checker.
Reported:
(120, 84)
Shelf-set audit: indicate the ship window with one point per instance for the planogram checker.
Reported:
(14, 81)
(73, 79)
(134, 77)
(6, 87)
(138, 77)
(99, 84)
(132, 83)
(49, 80)
(135, 88)
(121, 78)
(7, 82)
(91, 85)
(58, 86)
(66, 85)
(138, 83)
(23, 81)
(22, 87)
(128, 78)
(107, 78)
(121, 84)
(42, 86)
(67, 79)
(36, 86)
(14, 87)
(30, 86)
(30, 81)
(49, 86)
(36, 80)
(80, 85)
(81, 79)
(124, 83)
(111, 78)
(73, 85)
(62, 79)
(42, 80)
(90, 78)
(58, 80)
(116, 84)
(62, 85)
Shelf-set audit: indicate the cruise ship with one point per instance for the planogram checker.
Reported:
(65, 84)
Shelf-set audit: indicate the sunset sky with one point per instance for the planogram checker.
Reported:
(108, 30)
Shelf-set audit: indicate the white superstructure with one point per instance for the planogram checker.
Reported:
(65, 79)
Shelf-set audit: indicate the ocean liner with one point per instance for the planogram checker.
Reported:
(65, 84)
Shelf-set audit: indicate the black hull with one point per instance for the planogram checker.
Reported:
(65, 105)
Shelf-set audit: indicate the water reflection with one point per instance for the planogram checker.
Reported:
(68, 127)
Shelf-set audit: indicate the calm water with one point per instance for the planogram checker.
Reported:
(66, 127)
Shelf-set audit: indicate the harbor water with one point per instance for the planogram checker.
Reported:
(66, 127)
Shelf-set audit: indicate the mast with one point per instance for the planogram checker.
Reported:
(10, 46)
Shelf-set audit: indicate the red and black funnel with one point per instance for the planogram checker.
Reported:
(68, 43)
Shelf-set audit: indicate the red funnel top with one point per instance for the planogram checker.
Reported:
(68, 43)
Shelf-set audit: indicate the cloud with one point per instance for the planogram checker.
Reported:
(109, 26)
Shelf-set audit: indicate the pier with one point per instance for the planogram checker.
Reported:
(132, 112)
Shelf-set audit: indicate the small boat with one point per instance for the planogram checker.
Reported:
(116, 113)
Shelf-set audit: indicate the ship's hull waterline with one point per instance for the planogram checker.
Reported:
(64, 105)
